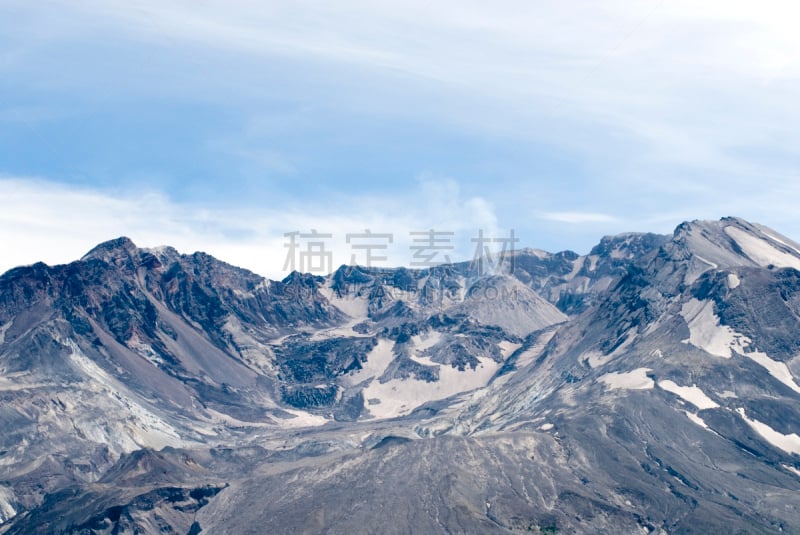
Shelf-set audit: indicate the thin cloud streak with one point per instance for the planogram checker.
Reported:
(651, 71)
(41, 221)
(674, 107)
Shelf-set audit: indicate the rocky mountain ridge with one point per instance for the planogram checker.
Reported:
(649, 385)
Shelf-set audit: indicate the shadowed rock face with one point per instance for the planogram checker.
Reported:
(650, 386)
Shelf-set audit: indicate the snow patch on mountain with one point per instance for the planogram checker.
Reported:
(733, 281)
(705, 331)
(399, 397)
(778, 370)
(303, 419)
(786, 242)
(7, 510)
(692, 394)
(377, 361)
(696, 419)
(789, 443)
(720, 340)
(792, 469)
(508, 348)
(707, 262)
(595, 359)
(633, 380)
(760, 250)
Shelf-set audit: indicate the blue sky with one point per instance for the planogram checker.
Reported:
(220, 126)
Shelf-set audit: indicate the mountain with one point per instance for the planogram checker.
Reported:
(650, 386)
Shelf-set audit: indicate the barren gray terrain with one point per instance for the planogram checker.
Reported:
(650, 386)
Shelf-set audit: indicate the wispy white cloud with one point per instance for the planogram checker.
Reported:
(614, 55)
(44, 221)
(683, 82)
(673, 109)
(56, 223)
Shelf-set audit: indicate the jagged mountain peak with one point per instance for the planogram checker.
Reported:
(627, 245)
(123, 254)
(504, 301)
(164, 253)
(649, 386)
(112, 250)
(732, 241)
(531, 251)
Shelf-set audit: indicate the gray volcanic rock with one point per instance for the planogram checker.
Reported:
(651, 386)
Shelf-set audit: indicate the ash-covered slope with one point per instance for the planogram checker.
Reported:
(650, 386)
(132, 348)
(129, 349)
(727, 334)
(680, 388)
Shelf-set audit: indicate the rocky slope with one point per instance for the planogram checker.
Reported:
(650, 386)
